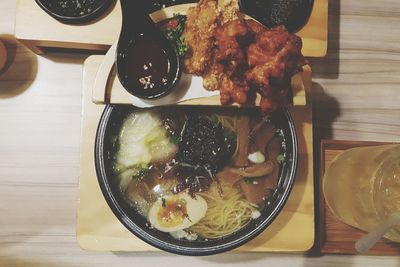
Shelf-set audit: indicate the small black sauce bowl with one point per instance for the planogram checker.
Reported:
(109, 126)
(136, 23)
(102, 8)
(123, 72)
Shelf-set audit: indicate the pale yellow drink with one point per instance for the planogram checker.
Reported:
(362, 186)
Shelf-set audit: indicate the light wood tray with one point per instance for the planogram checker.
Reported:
(98, 229)
(37, 30)
(335, 236)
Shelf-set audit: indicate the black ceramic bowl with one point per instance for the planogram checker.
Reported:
(70, 17)
(109, 126)
(294, 14)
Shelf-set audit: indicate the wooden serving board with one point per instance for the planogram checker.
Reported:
(99, 230)
(336, 237)
(39, 31)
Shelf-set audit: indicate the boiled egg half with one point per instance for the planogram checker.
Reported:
(177, 212)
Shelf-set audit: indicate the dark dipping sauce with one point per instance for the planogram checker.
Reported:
(147, 66)
(293, 14)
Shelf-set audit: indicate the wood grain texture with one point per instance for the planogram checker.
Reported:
(355, 93)
(336, 236)
(355, 96)
(103, 32)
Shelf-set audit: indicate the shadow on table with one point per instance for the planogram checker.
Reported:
(329, 67)
(67, 56)
(20, 69)
(326, 110)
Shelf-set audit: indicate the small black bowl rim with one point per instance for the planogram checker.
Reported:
(299, 26)
(78, 19)
(166, 246)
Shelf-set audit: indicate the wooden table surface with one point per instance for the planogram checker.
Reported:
(356, 96)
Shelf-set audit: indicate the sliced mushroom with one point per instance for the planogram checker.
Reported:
(243, 131)
(253, 192)
(256, 170)
(233, 175)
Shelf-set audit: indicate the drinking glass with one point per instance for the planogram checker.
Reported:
(362, 187)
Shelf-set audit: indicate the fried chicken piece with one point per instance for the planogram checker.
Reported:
(233, 91)
(273, 59)
(254, 25)
(230, 53)
(276, 54)
(212, 77)
(229, 11)
(201, 23)
(271, 99)
(229, 39)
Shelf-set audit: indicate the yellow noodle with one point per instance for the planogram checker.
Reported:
(226, 214)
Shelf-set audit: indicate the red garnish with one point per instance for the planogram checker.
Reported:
(172, 24)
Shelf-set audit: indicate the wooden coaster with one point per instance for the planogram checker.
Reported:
(99, 230)
(336, 237)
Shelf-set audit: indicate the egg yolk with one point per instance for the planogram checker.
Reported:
(173, 212)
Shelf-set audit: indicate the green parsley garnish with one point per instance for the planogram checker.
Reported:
(174, 34)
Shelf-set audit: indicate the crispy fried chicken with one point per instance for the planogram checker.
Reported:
(231, 40)
(199, 36)
(240, 57)
(256, 59)
(273, 59)
(275, 54)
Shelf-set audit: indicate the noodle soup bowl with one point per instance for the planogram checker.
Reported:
(109, 127)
